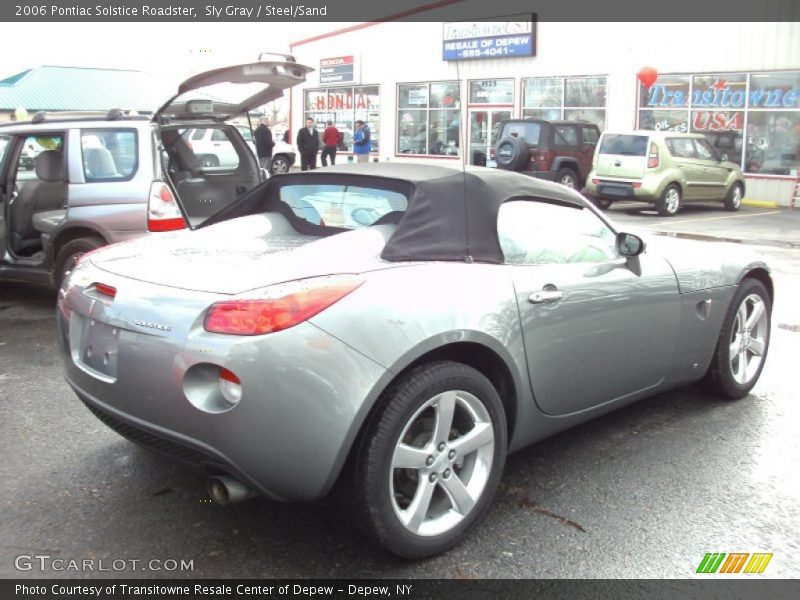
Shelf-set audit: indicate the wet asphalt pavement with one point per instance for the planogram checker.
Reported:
(643, 492)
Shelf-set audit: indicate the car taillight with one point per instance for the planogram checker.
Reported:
(106, 290)
(652, 158)
(544, 158)
(595, 180)
(163, 213)
(491, 152)
(278, 307)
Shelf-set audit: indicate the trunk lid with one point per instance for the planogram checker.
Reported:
(221, 94)
(622, 156)
(243, 254)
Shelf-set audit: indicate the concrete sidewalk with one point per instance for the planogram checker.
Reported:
(778, 227)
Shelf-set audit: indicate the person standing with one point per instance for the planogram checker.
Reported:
(330, 141)
(362, 143)
(264, 144)
(308, 145)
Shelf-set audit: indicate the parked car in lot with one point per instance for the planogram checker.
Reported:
(559, 151)
(397, 330)
(664, 168)
(71, 184)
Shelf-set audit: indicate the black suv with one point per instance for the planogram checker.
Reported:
(560, 151)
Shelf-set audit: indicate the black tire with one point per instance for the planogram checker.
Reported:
(69, 254)
(376, 487)
(567, 177)
(733, 200)
(280, 164)
(720, 379)
(665, 205)
(209, 161)
(601, 203)
(511, 154)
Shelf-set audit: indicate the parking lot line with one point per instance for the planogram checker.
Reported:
(769, 212)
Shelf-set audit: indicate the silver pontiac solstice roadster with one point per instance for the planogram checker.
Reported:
(397, 330)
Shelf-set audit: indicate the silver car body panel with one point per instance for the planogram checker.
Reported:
(309, 389)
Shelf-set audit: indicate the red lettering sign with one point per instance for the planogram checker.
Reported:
(717, 121)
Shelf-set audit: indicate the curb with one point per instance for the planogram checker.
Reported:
(760, 203)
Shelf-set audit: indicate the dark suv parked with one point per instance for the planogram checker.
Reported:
(560, 151)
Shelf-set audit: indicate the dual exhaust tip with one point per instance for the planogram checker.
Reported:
(225, 489)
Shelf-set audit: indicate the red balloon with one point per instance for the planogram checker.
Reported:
(648, 76)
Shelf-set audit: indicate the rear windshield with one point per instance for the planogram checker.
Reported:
(527, 131)
(626, 145)
(343, 206)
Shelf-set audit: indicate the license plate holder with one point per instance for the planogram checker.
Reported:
(98, 348)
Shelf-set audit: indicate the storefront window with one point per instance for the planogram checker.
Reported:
(429, 118)
(722, 105)
(773, 142)
(343, 106)
(570, 98)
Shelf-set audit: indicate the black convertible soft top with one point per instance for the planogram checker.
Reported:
(451, 214)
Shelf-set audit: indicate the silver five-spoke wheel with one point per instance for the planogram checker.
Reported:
(743, 342)
(748, 339)
(430, 460)
(441, 463)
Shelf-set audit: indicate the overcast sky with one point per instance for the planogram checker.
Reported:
(173, 50)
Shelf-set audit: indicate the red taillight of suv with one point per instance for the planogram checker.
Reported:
(543, 159)
(652, 157)
(279, 307)
(163, 213)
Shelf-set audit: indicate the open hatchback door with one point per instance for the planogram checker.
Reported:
(205, 162)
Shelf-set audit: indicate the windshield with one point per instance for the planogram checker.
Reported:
(625, 145)
(343, 206)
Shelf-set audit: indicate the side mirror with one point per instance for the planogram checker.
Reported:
(629, 244)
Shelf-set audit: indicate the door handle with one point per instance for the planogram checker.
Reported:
(546, 297)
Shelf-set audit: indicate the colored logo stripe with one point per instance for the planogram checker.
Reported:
(711, 562)
(734, 562)
(758, 563)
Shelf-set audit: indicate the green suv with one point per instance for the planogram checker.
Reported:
(664, 168)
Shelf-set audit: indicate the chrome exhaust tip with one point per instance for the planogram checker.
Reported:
(224, 489)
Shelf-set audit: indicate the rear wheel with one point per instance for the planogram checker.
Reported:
(567, 177)
(733, 201)
(601, 203)
(70, 253)
(280, 164)
(743, 343)
(670, 202)
(431, 460)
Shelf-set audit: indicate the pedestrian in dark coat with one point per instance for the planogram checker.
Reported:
(264, 144)
(308, 145)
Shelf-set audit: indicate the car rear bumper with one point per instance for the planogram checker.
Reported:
(616, 189)
(304, 394)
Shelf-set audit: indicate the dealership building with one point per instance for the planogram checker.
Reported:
(432, 91)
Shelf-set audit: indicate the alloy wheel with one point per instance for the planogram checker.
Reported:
(441, 463)
(748, 341)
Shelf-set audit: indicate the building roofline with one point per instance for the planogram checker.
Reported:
(394, 17)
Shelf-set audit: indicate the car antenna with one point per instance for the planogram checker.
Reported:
(461, 139)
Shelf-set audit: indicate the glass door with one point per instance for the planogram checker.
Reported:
(481, 123)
